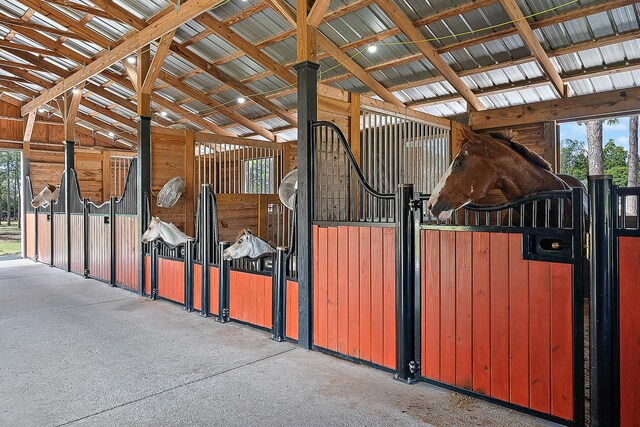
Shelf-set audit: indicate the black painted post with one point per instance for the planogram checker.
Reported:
(154, 270)
(144, 189)
(224, 274)
(51, 236)
(406, 365)
(112, 229)
(205, 248)
(69, 165)
(307, 113)
(603, 304)
(188, 276)
(85, 240)
(279, 295)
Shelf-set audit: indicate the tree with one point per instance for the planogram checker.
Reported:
(594, 144)
(632, 180)
(573, 159)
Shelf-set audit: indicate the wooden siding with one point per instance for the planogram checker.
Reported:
(44, 239)
(250, 298)
(171, 280)
(60, 240)
(77, 244)
(99, 241)
(629, 288)
(239, 211)
(495, 323)
(354, 292)
(127, 250)
(30, 234)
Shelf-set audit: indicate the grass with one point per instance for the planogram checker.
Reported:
(9, 239)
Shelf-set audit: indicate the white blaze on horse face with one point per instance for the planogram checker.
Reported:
(435, 195)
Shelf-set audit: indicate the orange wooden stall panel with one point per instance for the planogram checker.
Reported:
(171, 279)
(214, 279)
(629, 297)
(250, 298)
(354, 292)
(291, 315)
(127, 249)
(495, 323)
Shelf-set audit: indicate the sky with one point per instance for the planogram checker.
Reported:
(619, 132)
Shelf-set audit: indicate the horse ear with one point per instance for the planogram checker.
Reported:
(247, 231)
(468, 134)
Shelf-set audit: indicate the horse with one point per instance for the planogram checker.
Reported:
(495, 162)
(248, 245)
(166, 231)
(49, 193)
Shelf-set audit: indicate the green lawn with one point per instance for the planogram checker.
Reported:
(9, 239)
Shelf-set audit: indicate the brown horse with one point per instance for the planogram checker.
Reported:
(493, 161)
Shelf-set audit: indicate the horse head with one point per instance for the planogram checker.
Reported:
(247, 245)
(487, 162)
(48, 194)
(152, 232)
(468, 178)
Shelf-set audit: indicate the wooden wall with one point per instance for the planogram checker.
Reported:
(239, 211)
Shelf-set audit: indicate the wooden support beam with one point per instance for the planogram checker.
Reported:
(82, 8)
(10, 47)
(226, 33)
(406, 26)
(70, 104)
(168, 23)
(530, 39)
(195, 119)
(317, 12)
(11, 64)
(5, 20)
(30, 120)
(196, 94)
(597, 105)
(156, 64)
(307, 35)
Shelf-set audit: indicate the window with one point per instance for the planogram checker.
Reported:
(258, 176)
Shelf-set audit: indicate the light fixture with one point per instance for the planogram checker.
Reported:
(372, 48)
(242, 100)
(75, 91)
(163, 113)
(131, 60)
(111, 134)
(41, 110)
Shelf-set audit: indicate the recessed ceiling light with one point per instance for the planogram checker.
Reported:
(242, 100)
(41, 110)
(75, 91)
(111, 134)
(372, 48)
(163, 113)
(131, 60)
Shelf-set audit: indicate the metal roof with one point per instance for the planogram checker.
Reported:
(413, 80)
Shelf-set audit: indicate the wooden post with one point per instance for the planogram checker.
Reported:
(354, 127)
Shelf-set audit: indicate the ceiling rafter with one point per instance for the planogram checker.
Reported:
(81, 8)
(529, 38)
(401, 20)
(5, 20)
(188, 11)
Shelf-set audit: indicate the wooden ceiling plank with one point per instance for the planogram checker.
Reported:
(5, 20)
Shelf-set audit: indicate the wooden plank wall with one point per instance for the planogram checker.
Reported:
(629, 289)
(171, 280)
(30, 234)
(291, 314)
(172, 154)
(239, 211)
(495, 323)
(250, 298)
(354, 292)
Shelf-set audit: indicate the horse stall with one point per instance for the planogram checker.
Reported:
(355, 217)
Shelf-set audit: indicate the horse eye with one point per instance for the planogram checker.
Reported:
(457, 163)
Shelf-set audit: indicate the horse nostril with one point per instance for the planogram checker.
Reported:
(429, 206)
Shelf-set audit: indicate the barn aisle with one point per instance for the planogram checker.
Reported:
(74, 351)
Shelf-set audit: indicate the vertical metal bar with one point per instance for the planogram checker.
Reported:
(143, 191)
(279, 295)
(188, 276)
(603, 304)
(224, 274)
(205, 249)
(154, 270)
(85, 241)
(113, 243)
(406, 366)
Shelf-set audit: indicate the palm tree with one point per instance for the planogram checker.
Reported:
(633, 162)
(594, 144)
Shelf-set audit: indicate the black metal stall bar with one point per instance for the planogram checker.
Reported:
(279, 294)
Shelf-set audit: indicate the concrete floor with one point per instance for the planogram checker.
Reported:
(74, 351)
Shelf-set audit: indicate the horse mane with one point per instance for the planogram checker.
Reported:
(507, 137)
